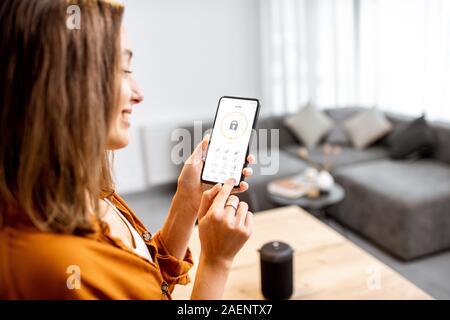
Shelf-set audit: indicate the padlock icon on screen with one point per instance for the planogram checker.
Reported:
(234, 125)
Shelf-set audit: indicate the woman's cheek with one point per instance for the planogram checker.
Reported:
(124, 92)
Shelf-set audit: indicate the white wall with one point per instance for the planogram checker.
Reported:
(188, 53)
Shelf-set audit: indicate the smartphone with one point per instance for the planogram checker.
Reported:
(229, 144)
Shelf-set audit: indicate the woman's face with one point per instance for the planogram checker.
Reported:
(130, 95)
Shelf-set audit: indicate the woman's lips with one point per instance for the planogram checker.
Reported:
(126, 117)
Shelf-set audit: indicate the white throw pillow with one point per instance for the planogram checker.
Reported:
(365, 128)
(309, 125)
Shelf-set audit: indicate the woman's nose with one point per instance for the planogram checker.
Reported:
(137, 96)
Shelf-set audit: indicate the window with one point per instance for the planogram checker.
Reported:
(394, 54)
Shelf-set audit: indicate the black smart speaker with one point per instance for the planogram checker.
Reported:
(276, 270)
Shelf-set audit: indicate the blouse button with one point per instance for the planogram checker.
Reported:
(165, 287)
(146, 236)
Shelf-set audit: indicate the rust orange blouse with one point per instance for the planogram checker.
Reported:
(38, 265)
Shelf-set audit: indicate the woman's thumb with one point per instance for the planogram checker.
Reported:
(197, 156)
(205, 143)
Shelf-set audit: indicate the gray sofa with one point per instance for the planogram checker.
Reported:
(402, 206)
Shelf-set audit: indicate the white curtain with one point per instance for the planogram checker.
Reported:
(394, 54)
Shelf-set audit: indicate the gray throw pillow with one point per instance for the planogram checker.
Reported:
(365, 128)
(309, 125)
(338, 136)
(415, 140)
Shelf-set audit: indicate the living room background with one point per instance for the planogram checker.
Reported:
(393, 54)
(287, 53)
(343, 56)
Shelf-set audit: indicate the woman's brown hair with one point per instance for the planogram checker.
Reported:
(58, 93)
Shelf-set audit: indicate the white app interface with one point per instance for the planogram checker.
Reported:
(229, 140)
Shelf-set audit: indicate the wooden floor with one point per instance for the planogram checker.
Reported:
(326, 264)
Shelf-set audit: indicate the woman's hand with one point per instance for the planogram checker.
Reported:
(225, 224)
(180, 220)
(190, 186)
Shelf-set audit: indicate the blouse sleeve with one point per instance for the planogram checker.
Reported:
(173, 270)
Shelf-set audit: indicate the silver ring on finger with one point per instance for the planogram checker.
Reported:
(231, 205)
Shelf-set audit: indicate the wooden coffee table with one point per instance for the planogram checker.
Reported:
(326, 265)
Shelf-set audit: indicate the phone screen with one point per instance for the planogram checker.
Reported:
(230, 138)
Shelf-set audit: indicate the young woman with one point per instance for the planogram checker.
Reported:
(66, 97)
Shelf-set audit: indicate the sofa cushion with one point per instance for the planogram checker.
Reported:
(347, 155)
(416, 139)
(442, 131)
(285, 136)
(343, 113)
(267, 169)
(411, 182)
(366, 127)
(310, 125)
(402, 206)
(338, 135)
